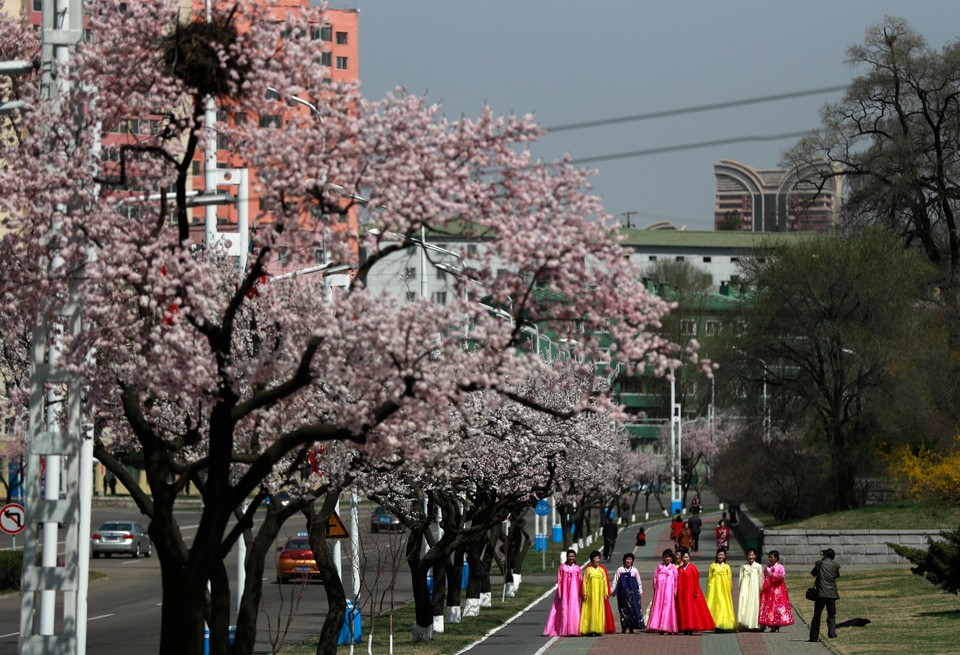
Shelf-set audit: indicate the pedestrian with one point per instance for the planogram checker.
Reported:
(695, 504)
(696, 525)
(628, 591)
(826, 572)
(720, 592)
(564, 617)
(596, 617)
(685, 540)
(610, 531)
(641, 537)
(723, 534)
(775, 609)
(675, 526)
(663, 608)
(748, 600)
(692, 612)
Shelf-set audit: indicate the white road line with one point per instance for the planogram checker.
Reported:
(482, 639)
(102, 616)
(546, 646)
(12, 634)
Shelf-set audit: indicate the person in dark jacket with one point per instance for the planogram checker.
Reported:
(610, 531)
(696, 525)
(826, 572)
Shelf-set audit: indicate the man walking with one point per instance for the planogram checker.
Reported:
(696, 525)
(610, 531)
(826, 572)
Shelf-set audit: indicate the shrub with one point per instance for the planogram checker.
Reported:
(11, 564)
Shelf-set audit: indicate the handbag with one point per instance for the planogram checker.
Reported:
(812, 594)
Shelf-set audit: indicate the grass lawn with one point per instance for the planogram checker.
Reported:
(455, 637)
(907, 614)
(888, 516)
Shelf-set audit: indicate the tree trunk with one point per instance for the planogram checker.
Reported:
(423, 607)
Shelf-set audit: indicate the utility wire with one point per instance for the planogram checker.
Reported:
(691, 146)
(692, 110)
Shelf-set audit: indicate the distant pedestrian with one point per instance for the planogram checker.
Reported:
(826, 572)
(748, 599)
(663, 608)
(628, 590)
(723, 534)
(775, 609)
(693, 615)
(720, 592)
(610, 531)
(695, 504)
(564, 617)
(685, 539)
(675, 526)
(641, 537)
(696, 525)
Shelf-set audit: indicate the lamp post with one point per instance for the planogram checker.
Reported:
(675, 445)
(765, 418)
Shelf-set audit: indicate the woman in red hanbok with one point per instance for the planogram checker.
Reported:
(775, 609)
(564, 618)
(692, 611)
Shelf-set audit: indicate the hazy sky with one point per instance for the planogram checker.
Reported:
(569, 62)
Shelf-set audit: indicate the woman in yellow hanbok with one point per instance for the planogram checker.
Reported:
(720, 592)
(596, 616)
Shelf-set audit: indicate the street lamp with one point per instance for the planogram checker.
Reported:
(766, 411)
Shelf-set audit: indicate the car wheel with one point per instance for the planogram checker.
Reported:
(149, 550)
(282, 580)
(107, 555)
(374, 527)
(96, 555)
(136, 552)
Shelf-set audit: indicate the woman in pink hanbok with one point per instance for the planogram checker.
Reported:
(663, 607)
(775, 609)
(564, 618)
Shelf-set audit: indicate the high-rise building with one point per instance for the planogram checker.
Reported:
(806, 198)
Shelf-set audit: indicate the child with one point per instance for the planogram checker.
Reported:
(641, 537)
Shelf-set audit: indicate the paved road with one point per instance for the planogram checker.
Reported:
(523, 635)
(124, 609)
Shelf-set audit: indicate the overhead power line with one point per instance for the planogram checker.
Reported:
(692, 110)
(691, 146)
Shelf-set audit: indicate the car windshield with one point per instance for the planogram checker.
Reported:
(297, 544)
(115, 527)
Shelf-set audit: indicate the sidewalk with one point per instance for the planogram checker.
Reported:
(523, 635)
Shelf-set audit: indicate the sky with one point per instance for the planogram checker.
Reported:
(571, 62)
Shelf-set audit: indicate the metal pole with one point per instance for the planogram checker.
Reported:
(241, 562)
(210, 157)
(673, 443)
(424, 292)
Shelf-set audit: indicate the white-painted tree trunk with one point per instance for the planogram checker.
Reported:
(452, 614)
(472, 607)
(438, 623)
(422, 634)
(486, 599)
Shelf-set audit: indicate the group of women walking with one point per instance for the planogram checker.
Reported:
(582, 607)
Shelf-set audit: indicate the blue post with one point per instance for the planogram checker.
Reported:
(557, 534)
(206, 638)
(675, 507)
(466, 575)
(351, 616)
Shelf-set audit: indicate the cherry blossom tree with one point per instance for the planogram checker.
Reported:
(225, 381)
(701, 444)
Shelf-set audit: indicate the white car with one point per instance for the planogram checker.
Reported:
(127, 537)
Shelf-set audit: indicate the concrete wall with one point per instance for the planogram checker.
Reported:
(853, 547)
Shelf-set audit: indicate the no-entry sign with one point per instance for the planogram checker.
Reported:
(13, 518)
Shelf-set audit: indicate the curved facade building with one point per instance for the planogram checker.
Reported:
(806, 198)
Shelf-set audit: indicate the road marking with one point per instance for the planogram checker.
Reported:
(546, 646)
(516, 616)
(102, 616)
(12, 634)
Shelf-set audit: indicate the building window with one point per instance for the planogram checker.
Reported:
(502, 272)
(652, 258)
(411, 296)
(315, 32)
(471, 249)
(712, 328)
(283, 254)
(441, 275)
(707, 260)
(440, 297)
(688, 328)
(341, 63)
(195, 168)
(341, 38)
(409, 273)
(734, 260)
(271, 120)
(326, 33)
(326, 59)
(680, 258)
(38, 5)
(318, 256)
(223, 142)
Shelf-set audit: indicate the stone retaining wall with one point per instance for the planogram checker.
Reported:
(853, 547)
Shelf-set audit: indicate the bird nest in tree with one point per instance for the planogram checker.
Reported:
(192, 55)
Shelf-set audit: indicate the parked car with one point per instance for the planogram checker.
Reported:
(119, 537)
(381, 519)
(296, 560)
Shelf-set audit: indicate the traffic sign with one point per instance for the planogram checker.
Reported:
(13, 518)
(335, 528)
(542, 508)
